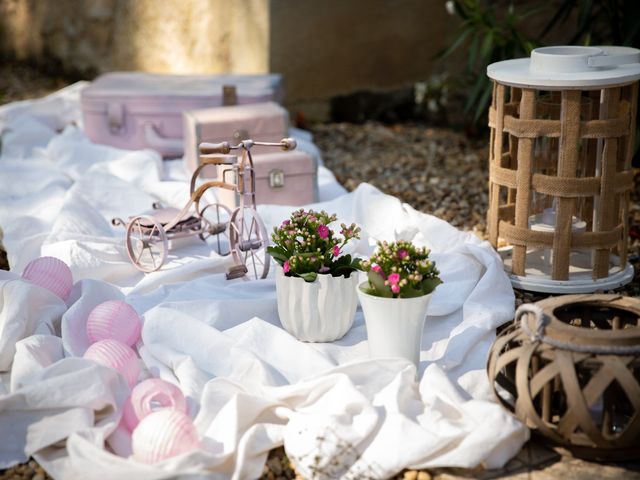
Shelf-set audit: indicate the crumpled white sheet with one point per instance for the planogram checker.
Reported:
(250, 385)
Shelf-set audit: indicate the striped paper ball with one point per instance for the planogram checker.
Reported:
(50, 273)
(116, 355)
(116, 320)
(152, 395)
(163, 434)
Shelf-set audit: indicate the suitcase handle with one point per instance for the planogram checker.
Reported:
(168, 146)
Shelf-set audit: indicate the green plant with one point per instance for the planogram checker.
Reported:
(601, 22)
(305, 246)
(492, 31)
(489, 32)
(400, 270)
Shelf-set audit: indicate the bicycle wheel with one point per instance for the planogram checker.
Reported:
(147, 244)
(248, 237)
(215, 219)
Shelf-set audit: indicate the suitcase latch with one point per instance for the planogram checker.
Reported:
(229, 95)
(115, 113)
(276, 178)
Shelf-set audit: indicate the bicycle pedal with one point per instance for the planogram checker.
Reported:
(237, 271)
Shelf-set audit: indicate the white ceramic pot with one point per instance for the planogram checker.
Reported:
(321, 311)
(394, 325)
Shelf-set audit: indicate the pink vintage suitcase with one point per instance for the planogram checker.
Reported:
(134, 110)
(262, 122)
(282, 178)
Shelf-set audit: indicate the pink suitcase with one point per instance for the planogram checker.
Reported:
(282, 178)
(263, 122)
(134, 110)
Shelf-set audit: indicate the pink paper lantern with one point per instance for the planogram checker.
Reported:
(151, 395)
(50, 273)
(163, 434)
(116, 320)
(116, 355)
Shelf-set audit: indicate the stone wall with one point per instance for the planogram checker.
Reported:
(323, 47)
(171, 36)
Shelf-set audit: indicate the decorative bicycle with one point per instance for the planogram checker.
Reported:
(241, 230)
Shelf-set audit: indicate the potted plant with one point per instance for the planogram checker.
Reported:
(394, 299)
(315, 287)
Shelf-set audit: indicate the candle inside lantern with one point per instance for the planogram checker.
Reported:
(546, 222)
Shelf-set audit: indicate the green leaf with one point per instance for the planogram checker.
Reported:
(343, 270)
(377, 282)
(344, 260)
(458, 41)
(481, 83)
(487, 44)
(408, 292)
(277, 254)
(430, 285)
(369, 291)
(277, 249)
(309, 277)
(356, 264)
(483, 103)
(473, 51)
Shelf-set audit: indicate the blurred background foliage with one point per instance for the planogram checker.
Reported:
(491, 31)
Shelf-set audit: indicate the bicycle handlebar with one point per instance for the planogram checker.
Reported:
(224, 148)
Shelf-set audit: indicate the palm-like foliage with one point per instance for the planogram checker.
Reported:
(490, 33)
(493, 31)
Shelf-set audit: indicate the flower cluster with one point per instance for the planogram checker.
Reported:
(305, 245)
(400, 270)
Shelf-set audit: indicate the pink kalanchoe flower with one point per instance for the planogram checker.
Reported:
(394, 278)
(336, 250)
(395, 288)
(286, 267)
(323, 231)
(376, 268)
(402, 253)
(286, 222)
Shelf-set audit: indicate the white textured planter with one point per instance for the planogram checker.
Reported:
(321, 311)
(394, 325)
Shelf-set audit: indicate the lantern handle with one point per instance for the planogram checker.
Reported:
(541, 322)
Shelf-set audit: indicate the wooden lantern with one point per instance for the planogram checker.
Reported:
(562, 138)
(569, 367)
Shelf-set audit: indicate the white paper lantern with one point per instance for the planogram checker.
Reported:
(116, 355)
(50, 273)
(163, 434)
(116, 320)
(152, 395)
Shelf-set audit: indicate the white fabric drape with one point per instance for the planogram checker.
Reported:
(250, 385)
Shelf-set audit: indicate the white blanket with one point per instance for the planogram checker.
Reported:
(250, 385)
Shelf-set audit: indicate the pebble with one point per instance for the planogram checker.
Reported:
(275, 465)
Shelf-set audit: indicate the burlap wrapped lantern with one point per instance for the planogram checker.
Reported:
(562, 138)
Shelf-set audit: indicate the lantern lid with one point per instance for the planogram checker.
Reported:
(566, 67)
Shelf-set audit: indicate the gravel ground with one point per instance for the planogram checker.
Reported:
(436, 171)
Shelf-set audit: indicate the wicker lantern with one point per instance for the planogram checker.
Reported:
(562, 136)
(569, 367)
